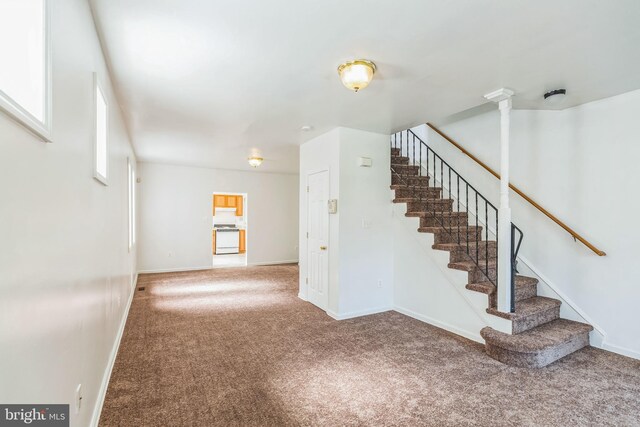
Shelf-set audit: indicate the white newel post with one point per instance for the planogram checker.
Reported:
(503, 98)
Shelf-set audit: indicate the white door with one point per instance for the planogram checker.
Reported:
(318, 239)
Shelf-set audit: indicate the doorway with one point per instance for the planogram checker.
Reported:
(229, 229)
(318, 239)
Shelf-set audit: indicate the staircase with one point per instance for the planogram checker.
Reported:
(445, 203)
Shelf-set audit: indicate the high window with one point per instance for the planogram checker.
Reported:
(132, 203)
(101, 148)
(25, 74)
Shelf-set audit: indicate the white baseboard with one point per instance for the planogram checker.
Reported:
(210, 267)
(175, 270)
(302, 297)
(621, 350)
(291, 261)
(102, 393)
(473, 336)
(352, 314)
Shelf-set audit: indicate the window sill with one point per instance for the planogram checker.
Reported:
(26, 120)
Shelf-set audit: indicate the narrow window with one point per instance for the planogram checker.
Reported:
(25, 74)
(131, 179)
(133, 206)
(130, 204)
(101, 167)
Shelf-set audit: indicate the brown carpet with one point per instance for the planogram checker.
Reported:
(236, 347)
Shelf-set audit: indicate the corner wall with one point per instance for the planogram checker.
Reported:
(65, 269)
(360, 239)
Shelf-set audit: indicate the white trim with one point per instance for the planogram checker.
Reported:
(442, 325)
(621, 350)
(360, 313)
(41, 129)
(302, 297)
(102, 393)
(208, 267)
(97, 86)
(291, 261)
(175, 270)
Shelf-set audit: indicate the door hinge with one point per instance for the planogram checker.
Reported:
(307, 188)
(307, 280)
(307, 234)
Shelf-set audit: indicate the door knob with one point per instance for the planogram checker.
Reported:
(323, 248)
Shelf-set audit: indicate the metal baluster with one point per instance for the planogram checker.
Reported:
(458, 208)
(420, 174)
(486, 235)
(450, 230)
(413, 160)
(476, 229)
(467, 224)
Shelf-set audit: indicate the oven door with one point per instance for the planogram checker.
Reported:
(227, 241)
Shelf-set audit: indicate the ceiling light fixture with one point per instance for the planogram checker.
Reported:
(255, 161)
(555, 96)
(356, 75)
(306, 128)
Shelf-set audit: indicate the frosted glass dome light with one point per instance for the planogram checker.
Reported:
(255, 161)
(356, 75)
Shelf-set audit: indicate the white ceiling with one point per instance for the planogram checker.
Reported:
(208, 82)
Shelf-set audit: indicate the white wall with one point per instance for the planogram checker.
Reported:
(176, 215)
(581, 165)
(65, 269)
(360, 255)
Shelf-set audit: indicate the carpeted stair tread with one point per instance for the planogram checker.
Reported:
(411, 187)
(470, 265)
(489, 288)
(440, 229)
(528, 307)
(537, 339)
(423, 200)
(425, 214)
(463, 245)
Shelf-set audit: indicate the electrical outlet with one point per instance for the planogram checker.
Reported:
(170, 254)
(379, 283)
(78, 398)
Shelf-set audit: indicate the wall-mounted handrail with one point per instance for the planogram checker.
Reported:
(520, 193)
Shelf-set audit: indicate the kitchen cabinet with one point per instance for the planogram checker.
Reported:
(243, 245)
(239, 206)
(214, 242)
(228, 201)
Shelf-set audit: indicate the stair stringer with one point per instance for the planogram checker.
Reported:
(426, 289)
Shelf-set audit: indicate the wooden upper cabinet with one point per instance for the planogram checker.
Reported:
(219, 201)
(228, 201)
(239, 206)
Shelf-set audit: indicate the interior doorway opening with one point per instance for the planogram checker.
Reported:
(229, 229)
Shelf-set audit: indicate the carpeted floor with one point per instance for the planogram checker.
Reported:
(236, 347)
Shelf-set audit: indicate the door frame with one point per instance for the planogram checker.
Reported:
(245, 214)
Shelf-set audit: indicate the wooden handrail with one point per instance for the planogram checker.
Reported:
(520, 193)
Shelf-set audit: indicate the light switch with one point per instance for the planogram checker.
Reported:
(364, 162)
